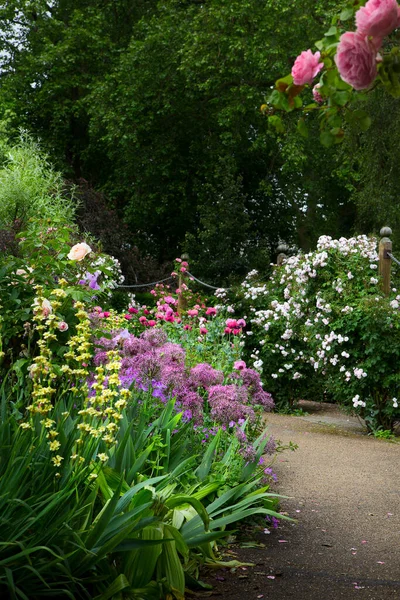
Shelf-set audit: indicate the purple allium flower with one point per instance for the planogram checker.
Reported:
(248, 453)
(100, 358)
(134, 346)
(264, 399)
(171, 353)
(155, 337)
(204, 375)
(270, 447)
(172, 375)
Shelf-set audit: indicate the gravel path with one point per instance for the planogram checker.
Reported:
(345, 495)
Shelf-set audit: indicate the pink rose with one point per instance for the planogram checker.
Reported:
(142, 320)
(62, 326)
(306, 67)
(132, 310)
(151, 323)
(356, 60)
(211, 311)
(79, 251)
(377, 18)
(128, 317)
(317, 96)
(193, 312)
(239, 365)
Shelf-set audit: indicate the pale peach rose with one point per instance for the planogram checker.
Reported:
(79, 251)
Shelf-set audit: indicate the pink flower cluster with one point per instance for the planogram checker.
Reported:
(234, 326)
(357, 52)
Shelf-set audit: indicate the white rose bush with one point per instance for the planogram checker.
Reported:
(324, 330)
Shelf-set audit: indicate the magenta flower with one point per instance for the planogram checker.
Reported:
(211, 311)
(192, 312)
(203, 330)
(356, 60)
(306, 67)
(132, 310)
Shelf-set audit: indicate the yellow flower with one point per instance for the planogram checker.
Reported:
(54, 445)
(26, 425)
(57, 460)
(103, 457)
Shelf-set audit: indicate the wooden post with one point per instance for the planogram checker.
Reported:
(385, 262)
(182, 302)
(281, 249)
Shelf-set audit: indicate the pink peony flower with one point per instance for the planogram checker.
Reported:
(132, 310)
(193, 312)
(239, 365)
(211, 311)
(142, 320)
(377, 18)
(306, 67)
(203, 330)
(356, 60)
(151, 323)
(317, 96)
(79, 251)
(62, 326)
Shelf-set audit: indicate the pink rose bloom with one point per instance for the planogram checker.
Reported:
(153, 292)
(377, 18)
(128, 317)
(193, 312)
(306, 67)
(151, 323)
(356, 60)
(132, 310)
(203, 330)
(185, 264)
(169, 300)
(142, 320)
(183, 269)
(158, 316)
(317, 96)
(62, 326)
(211, 311)
(178, 291)
(79, 251)
(239, 365)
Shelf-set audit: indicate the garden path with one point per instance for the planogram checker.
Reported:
(345, 495)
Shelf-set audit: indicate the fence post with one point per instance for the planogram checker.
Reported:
(385, 262)
(281, 249)
(182, 302)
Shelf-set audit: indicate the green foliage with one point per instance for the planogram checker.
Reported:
(29, 187)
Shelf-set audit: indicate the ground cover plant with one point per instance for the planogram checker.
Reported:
(322, 328)
(130, 441)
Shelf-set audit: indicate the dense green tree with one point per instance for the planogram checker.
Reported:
(158, 105)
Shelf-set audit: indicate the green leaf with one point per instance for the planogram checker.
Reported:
(302, 128)
(327, 139)
(204, 468)
(346, 14)
(341, 98)
(277, 123)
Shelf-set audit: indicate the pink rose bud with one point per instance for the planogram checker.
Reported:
(239, 365)
(179, 260)
(183, 269)
(306, 67)
(317, 96)
(132, 310)
(377, 18)
(203, 330)
(356, 60)
(63, 326)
